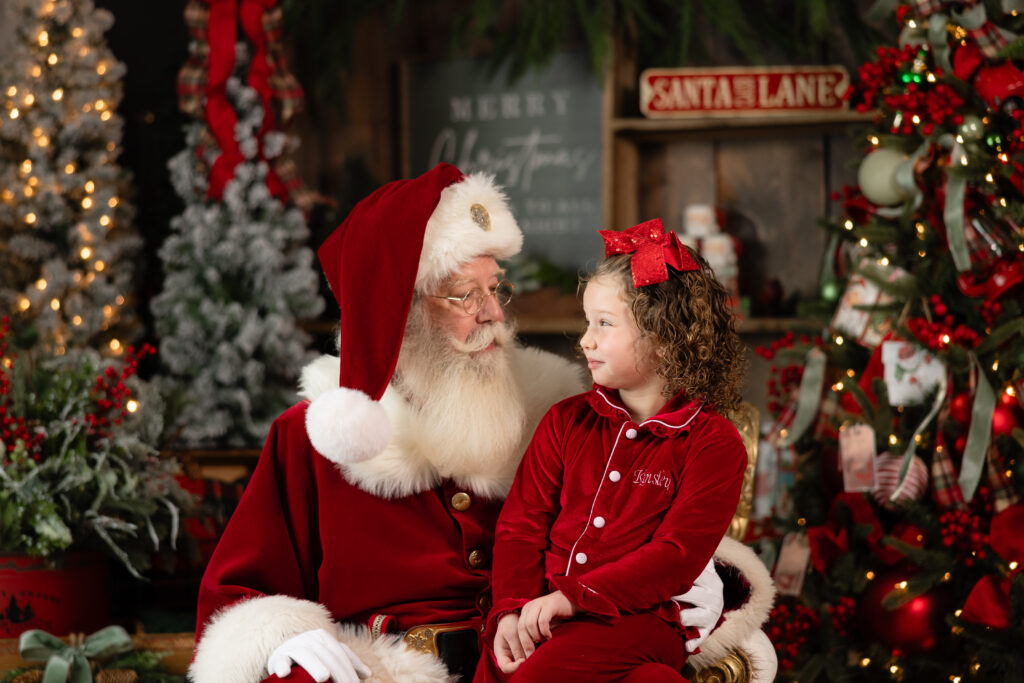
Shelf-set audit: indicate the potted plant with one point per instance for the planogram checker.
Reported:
(79, 475)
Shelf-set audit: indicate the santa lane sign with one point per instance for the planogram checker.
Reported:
(738, 91)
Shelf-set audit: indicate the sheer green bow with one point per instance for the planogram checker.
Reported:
(62, 658)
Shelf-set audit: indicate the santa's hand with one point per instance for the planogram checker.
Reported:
(707, 600)
(322, 655)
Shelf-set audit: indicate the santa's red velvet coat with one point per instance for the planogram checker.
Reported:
(319, 544)
(312, 543)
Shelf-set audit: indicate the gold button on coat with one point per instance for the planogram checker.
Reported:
(477, 559)
(461, 501)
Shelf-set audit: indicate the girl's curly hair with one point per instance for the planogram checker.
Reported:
(687, 320)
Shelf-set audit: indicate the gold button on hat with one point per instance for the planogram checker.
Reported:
(480, 217)
(477, 559)
(461, 501)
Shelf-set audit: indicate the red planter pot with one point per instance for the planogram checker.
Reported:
(71, 597)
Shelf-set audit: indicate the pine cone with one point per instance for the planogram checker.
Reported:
(30, 676)
(117, 676)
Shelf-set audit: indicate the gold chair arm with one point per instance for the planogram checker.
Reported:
(732, 668)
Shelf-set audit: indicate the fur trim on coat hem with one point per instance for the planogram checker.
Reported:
(239, 639)
(738, 624)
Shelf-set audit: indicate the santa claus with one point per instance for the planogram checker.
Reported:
(361, 547)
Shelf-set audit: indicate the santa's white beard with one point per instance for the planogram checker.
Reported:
(470, 414)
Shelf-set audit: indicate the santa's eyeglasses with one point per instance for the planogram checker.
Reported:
(473, 300)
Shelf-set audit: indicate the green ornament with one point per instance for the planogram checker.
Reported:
(972, 128)
(830, 291)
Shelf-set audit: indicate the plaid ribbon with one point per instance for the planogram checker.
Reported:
(1003, 494)
(286, 91)
(192, 76)
(945, 489)
(989, 37)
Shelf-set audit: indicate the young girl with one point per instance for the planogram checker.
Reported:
(626, 490)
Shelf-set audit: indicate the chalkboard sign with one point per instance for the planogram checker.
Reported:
(540, 136)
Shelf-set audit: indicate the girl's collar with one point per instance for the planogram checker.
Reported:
(674, 418)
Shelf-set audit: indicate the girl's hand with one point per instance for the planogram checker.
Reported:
(508, 650)
(539, 615)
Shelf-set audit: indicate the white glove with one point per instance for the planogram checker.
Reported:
(708, 600)
(322, 655)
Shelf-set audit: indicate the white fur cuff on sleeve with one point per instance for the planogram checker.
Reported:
(238, 641)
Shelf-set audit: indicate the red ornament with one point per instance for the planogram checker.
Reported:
(1005, 418)
(913, 627)
(960, 408)
(887, 469)
(966, 61)
(997, 84)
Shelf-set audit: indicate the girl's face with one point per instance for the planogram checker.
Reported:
(616, 356)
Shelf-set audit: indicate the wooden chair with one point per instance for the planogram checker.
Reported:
(738, 651)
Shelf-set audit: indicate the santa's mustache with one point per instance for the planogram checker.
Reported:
(499, 334)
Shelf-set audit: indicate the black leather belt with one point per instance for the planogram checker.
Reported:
(456, 644)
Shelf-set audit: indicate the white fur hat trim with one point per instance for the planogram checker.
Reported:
(472, 219)
(345, 426)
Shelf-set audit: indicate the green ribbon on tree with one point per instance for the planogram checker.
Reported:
(908, 455)
(63, 659)
(953, 216)
(939, 41)
(979, 435)
(810, 394)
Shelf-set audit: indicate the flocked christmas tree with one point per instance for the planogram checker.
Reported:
(238, 277)
(902, 423)
(65, 235)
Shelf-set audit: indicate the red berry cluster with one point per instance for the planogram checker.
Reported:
(874, 77)
(787, 341)
(965, 533)
(13, 428)
(110, 394)
(990, 310)
(933, 103)
(842, 615)
(942, 333)
(788, 626)
(784, 380)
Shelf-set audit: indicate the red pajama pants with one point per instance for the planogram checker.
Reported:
(637, 648)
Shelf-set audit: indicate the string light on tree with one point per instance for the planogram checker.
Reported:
(60, 60)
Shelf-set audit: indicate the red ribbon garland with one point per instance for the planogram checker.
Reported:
(653, 251)
(221, 35)
(989, 600)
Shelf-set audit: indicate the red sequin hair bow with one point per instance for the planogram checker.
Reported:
(653, 250)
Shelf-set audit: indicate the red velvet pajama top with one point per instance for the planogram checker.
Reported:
(617, 515)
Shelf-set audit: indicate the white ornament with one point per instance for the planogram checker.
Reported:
(877, 177)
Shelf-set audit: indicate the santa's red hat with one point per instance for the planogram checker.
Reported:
(408, 235)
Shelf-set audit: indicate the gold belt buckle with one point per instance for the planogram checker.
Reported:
(424, 636)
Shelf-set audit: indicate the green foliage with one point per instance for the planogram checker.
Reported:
(79, 469)
(526, 34)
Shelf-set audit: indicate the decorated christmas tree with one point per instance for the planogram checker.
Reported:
(901, 425)
(238, 273)
(65, 237)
